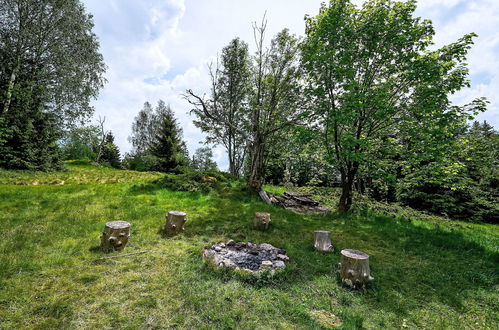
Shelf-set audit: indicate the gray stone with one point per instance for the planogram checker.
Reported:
(266, 263)
(283, 257)
(246, 256)
(266, 246)
(229, 263)
(279, 264)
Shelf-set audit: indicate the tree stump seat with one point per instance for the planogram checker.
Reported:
(354, 268)
(115, 235)
(322, 240)
(261, 220)
(175, 221)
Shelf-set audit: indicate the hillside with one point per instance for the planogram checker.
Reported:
(429, 273)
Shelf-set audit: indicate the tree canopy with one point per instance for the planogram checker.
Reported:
(371, 73)
(51, 69)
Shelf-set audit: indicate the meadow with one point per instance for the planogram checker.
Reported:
(430, 272)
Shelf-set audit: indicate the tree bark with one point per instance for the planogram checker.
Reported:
(262, 220)
(354, 268)
(257, 170)
(10, 87)
(322, 240)
(345, 202)
(115, 236)
(347, 180)
(175, 221)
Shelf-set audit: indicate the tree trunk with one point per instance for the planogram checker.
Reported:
(345, 202)
(347, 180)
(10, 87)
(261, 220)
(175, 221)
(257, 169)
(115, 236)
(354, 268)
(322, 240)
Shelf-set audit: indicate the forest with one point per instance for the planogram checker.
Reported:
(355, 116)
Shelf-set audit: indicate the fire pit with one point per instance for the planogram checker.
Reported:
(246, 256)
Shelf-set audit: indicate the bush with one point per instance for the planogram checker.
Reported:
(139, 162)
(202, 181)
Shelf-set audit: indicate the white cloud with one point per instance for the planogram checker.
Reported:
(156, 49)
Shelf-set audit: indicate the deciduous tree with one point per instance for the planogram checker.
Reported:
(230, 90)
(275, 100)
(371, 73)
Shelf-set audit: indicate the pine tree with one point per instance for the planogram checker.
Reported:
(168, 146)
(111, 152)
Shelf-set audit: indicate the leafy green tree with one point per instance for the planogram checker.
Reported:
(110, 152)
(157, 141)
(462, 183)
(371, 73)
(50, 44)
(275, 100)
(80, 143)
(298, 159)
(144, 129)
(202, 160)
(50, 70)
(229, 92)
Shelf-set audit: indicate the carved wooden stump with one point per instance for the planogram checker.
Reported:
(322, 240)
(115, 235)
(354, 268)
(175, 221)
(262, 220)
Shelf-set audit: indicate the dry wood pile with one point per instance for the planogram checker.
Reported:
(297, 202)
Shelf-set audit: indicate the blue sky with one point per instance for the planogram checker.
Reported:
(156, 49)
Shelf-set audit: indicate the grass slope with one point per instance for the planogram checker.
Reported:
(428, 274)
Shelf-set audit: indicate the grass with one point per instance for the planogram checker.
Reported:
(428, 273)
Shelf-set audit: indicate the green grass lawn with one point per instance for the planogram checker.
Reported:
(428, 273)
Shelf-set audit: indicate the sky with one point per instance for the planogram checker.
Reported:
(156, 49)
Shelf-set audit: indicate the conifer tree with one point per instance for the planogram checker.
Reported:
(168, 147)
(111, 152)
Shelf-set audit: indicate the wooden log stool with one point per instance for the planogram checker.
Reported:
(322, 240)
(354, 268)
(261, 220)
(175, 221)
(115, 235)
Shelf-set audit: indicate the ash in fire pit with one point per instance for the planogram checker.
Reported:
(246, 256)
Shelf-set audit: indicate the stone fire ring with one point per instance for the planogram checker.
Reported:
(246, 256)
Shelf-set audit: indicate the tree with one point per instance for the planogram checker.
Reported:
(230, 90)
(157, 140)
(168, 147)
(31, 141)
(49, 45)
(462, 183)
(274, 102)
(144, 129)
(110, 152)
(80, 143)
(202, 160)
(371, 74)
(50, 70)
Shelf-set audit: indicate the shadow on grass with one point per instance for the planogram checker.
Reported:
(413, 264)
